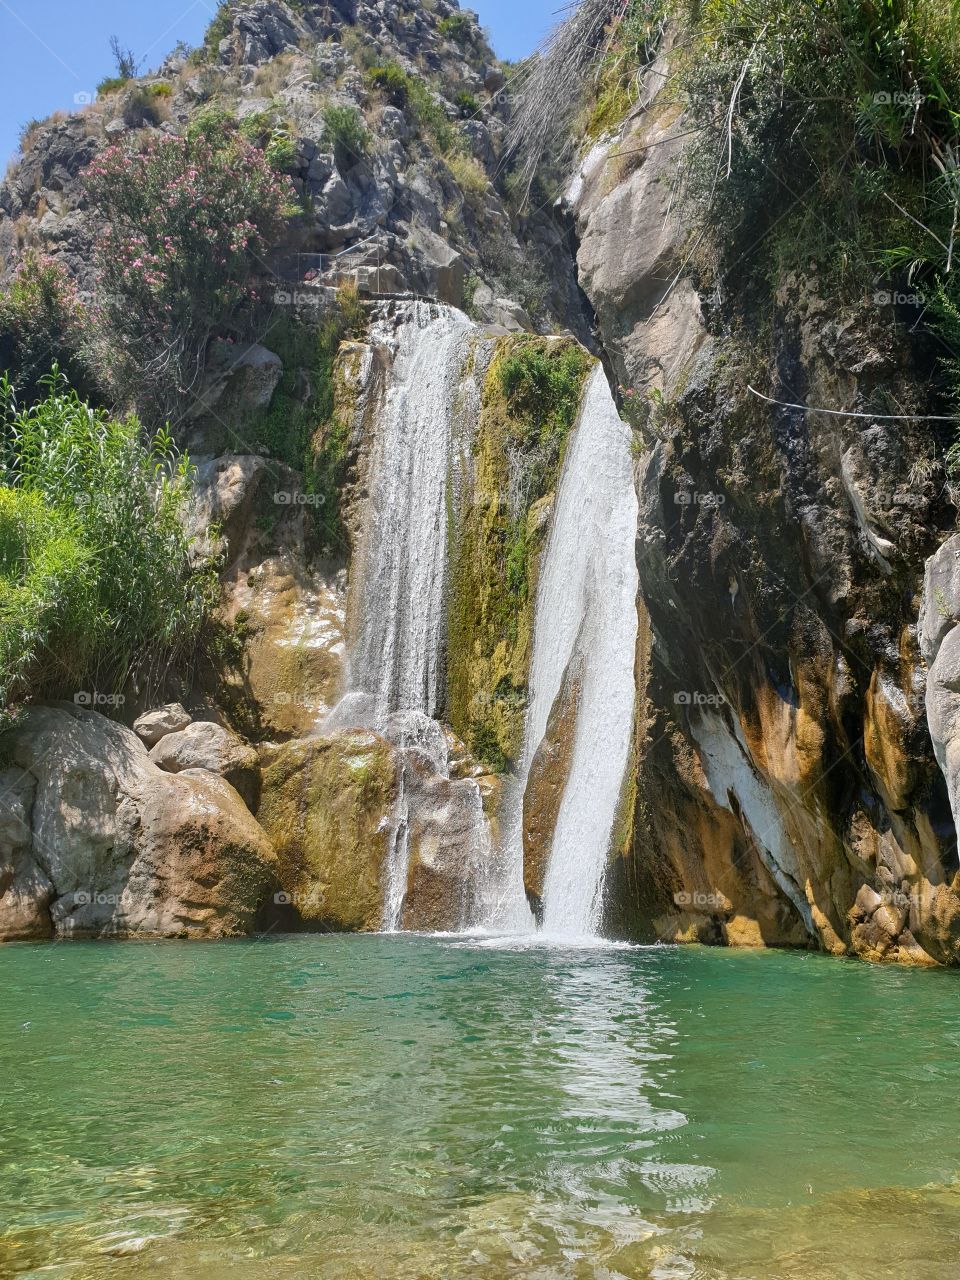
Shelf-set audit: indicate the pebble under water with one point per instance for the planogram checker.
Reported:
(403, 1106)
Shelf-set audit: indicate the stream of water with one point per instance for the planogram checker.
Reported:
(410, 1108)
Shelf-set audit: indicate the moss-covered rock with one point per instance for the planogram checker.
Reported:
(530, 397)
(326, 804)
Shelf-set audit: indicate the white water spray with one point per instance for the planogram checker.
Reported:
(586, 605)
(403, 555)
(401, 576)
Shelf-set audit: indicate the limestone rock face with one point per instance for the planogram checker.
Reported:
(327, 805)
(153, 725)
(288, 606)
(783, 756)
(101, 842)
(630, 244)
(204, 745)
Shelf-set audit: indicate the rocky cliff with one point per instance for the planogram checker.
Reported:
(793, 778)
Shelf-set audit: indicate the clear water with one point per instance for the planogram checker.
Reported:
(411, 1107)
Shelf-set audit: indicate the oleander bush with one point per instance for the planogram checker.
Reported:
(189, 221)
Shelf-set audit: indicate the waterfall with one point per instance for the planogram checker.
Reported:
(425, 408)
(587, 605)
(591, 568)
(403, 554)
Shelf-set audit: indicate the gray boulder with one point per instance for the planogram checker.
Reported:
(154, 725)
(204, 745)
(97, 841)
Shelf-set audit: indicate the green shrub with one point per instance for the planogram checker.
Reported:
(112, 84)
(106, 587)
(467, 104)
(188, 224)
(392, 81)
(258, 127)
(218, 30)
(471, 177)
(214, 125)
(456, 27)
(632, 44)
(42, 323)
(47, 577)
(404, 90)
(142, 106)
(542, 381)
(281, 150)
(348, 134)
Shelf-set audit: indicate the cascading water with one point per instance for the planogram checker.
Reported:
(586, 606)
(594, 535)
(400, 580)
(403, 555)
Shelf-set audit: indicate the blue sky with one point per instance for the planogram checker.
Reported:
(52, 50)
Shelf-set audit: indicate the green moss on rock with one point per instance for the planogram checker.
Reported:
(323, 805)
(530, 399)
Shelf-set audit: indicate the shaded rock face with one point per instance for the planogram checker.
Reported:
(286, 603)
(784, 760)
(97, 841)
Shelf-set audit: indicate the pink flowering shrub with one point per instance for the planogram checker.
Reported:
(42, 322)
(188, 225)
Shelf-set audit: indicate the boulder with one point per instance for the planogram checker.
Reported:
(115, 847)
(25, 891)
(204, 745)
(940, 603)
(449, 847)
(156, 724)
(328, 805)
